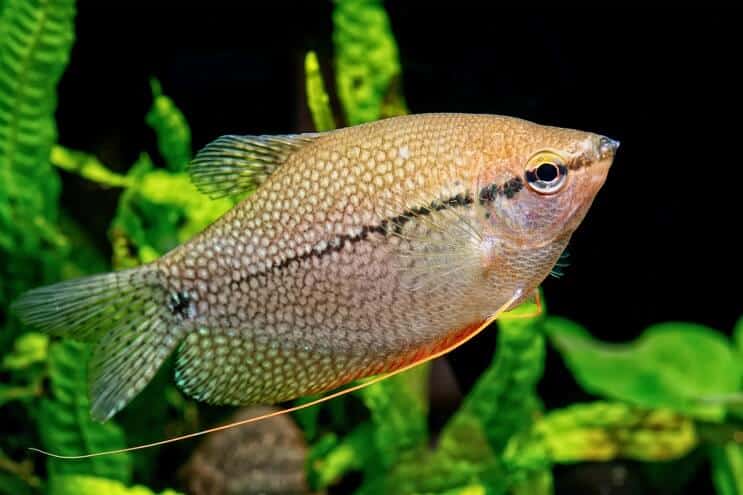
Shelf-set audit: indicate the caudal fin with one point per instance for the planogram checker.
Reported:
(125, 314)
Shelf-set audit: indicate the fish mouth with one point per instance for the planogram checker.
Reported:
(607, 148)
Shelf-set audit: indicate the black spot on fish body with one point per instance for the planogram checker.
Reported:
(488, 193)
(179, 304)
(508, 189)
(512, 187)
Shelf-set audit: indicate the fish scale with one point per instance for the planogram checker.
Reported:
(359, 251)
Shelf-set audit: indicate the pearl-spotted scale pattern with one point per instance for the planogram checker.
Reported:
(298, 289)
(361, 250)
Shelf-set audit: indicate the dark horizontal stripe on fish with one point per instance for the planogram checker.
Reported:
(390, 226)
(509, 189)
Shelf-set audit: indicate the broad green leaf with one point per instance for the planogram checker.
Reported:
(680, 366)
(317, 97)
(89, 485)
(727, 469)
(64, 421)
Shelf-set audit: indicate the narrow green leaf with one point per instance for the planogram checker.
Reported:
(727, 469)
(350, 454)
(317, 97)
(87, 166)
(171, 128)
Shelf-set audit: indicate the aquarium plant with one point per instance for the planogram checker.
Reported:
(671, 399)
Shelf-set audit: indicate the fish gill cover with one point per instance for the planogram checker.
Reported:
(656, 401)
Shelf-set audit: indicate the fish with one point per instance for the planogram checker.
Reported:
(359, 251)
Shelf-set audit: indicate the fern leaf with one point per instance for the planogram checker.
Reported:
(35, 42)
(65, 424)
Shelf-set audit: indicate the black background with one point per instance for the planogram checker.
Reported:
(658, 245)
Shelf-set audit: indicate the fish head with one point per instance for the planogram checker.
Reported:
(538, 182)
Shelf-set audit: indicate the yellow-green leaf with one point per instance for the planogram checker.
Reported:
(317, 97)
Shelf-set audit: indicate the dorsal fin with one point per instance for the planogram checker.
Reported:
(232, 165)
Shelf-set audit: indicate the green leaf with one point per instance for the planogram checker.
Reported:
(27, 366)
(738, 336)
(503, 401)
(35, 42)
(475, 489)
(12, 485)
(87, 166)
(89, 485)
(680, 366)
(328, 463)
(158, 211)
(317, 97)
(366, 58)
(602, 431)
(17, 478)
(727, 469)
(64, 421)
(171, 128)
(10, 393)
(541, 483)
(29, 349)
(398, 412)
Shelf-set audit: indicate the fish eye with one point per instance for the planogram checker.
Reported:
(546, 173)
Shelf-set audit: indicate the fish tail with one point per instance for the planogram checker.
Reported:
(127, 317)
